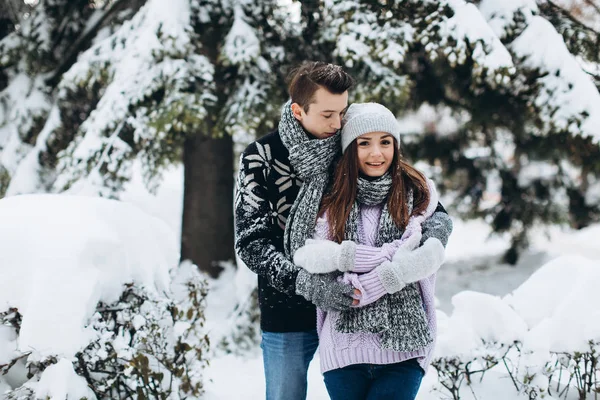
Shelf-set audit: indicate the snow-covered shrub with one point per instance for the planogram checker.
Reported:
(564, 375)
(582, 368)
(234, 320)
(454, 371)
(543, 338)
(99, 312)
(245, 331)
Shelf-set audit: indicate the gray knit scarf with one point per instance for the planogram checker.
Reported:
(311, 160)
(400, 317)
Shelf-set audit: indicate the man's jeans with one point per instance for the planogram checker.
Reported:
(286, 357)
(400, 381)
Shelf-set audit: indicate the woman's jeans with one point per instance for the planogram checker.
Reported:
(400, 381)
(286, 357)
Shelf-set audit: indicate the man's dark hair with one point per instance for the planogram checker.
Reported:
(306, 79)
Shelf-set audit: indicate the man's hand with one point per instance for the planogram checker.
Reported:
(323, 256)
(324, 291)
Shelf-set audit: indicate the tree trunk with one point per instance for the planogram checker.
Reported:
(207, 228)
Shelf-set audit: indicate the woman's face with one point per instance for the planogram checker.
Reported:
(375, 153)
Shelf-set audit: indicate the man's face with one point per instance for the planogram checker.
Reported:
(324, 116)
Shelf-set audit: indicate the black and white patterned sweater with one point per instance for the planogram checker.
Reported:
(266, 190)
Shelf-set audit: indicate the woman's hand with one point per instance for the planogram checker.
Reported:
(411, 266)
(367, 288)
(324, 256)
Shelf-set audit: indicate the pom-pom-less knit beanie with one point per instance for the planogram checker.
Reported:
(362, 118)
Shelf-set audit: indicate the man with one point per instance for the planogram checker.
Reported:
(295, 158)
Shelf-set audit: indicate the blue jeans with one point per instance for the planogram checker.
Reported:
(400, 381)
(286, 356)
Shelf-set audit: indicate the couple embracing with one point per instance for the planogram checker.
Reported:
(346, 238)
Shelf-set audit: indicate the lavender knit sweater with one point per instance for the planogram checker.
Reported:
(337, 349)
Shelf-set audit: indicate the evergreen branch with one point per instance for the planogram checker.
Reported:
(593, 5)
(578, 36)
(11, 10)
(6, 367)
(81, 42)
(562, 11)
(104, 156)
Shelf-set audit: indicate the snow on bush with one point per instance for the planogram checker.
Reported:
(544, 337)
(232, 314)
(93, 305)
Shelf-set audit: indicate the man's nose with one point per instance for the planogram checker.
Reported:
(337, 122)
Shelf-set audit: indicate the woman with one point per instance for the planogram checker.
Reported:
(372, 222)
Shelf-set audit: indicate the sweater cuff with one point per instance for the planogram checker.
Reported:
(372, 289)
(303, 284)
(366, 258)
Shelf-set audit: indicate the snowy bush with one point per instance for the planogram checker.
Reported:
(233, 315)
(93, 304)
(245, 333)
(544, 338)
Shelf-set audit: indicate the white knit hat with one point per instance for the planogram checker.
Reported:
(362, 118)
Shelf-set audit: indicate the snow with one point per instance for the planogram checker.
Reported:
(59, 381)
(500, 14)
(21, 102)
(26, 178)
(534, 170)
(427, 118)
(241, 44)
(50, 270)
(592, 196)
(166, 203)
(8, 344)
(62, 254)
(149, 53)
(480, 300)
(568, 98)
(469, 25)
(492, 319)
(572, 92)
(567, 321)
(586, 11)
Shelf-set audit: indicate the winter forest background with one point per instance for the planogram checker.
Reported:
(120, 126)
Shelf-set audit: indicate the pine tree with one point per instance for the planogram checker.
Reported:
(37, 118)
(527, 121)
(243, 42)
(164, 83)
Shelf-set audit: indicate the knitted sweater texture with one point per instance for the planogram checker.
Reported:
(337, 349)
(267, 186)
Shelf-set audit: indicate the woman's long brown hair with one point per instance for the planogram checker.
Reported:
(340, 199)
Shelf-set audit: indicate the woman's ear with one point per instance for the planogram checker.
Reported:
(297, 111)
